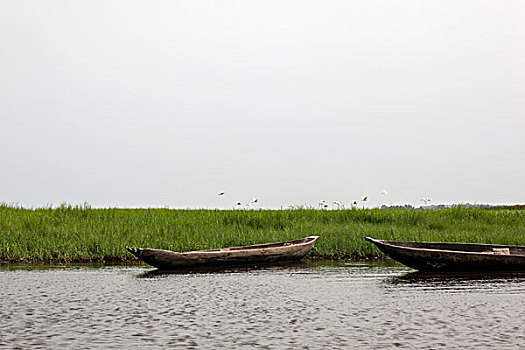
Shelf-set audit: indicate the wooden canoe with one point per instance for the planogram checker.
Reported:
(253, 254)
(429, 256)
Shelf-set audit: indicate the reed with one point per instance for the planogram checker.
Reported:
(80, 233)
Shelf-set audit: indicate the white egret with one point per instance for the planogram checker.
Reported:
(425, 200)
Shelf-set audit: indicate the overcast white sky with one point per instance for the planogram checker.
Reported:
(166, 103)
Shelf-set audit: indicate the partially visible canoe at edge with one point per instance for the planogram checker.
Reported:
(433, 256)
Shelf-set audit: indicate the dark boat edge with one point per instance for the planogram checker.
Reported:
(441, 245)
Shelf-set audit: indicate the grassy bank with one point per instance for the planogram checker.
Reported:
(78, 234)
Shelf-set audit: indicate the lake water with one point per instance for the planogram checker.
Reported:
(312, 305)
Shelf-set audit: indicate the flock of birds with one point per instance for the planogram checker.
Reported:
(323, 204)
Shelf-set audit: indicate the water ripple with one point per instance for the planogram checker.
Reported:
(315, 306)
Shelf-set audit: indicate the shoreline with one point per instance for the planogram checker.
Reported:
(122, 261)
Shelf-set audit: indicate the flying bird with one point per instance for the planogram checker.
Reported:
(425, 200)
(255, 200)
(364, 198)
(221, 193)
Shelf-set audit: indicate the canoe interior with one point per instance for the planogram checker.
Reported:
(259, 246)
(460, 247)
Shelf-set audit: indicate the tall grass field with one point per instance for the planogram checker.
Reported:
(82, 234)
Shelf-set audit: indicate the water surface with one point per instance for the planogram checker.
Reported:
(308, 305)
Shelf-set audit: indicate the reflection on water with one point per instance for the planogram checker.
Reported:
(458, 278)
(315, 304)
(461, 282)
(293, 266)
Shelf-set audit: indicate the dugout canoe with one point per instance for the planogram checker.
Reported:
(431, 256)
(253, 254)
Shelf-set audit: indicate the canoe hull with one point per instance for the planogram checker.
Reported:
(448, 257)
(257, 254)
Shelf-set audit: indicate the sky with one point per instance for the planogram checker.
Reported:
(167, 103)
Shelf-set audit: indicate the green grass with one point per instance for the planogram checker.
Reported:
(80, 234)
